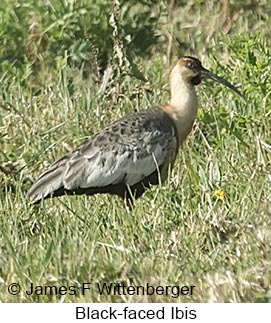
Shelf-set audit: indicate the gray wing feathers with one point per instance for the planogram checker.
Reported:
(126, 151)
(47, 183)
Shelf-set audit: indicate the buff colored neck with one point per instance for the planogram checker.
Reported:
(183, 104)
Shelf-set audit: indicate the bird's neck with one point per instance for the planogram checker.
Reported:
(183, 105)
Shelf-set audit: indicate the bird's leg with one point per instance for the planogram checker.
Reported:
(129, 205)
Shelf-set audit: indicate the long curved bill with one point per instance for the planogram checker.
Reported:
(205, 73)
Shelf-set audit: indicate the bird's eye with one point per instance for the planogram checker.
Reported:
(191, 65)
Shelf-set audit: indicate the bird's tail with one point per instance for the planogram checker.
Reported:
(47, 184)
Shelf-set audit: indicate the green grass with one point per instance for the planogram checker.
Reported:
(208, 226)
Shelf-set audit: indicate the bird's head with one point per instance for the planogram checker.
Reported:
(191, 71)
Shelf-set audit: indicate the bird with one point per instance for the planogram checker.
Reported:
(134, 152)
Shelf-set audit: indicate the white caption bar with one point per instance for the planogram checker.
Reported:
(152, 312)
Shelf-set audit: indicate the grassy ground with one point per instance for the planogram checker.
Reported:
(209, 226)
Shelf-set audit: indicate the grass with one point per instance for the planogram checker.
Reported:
(208, 226)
